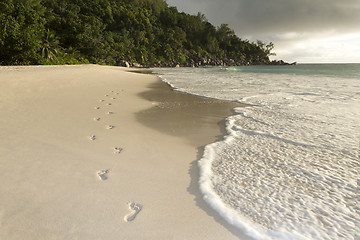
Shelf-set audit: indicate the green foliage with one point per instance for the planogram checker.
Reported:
(107, 31)
(266, 48)
(21, 29)
(49, 49)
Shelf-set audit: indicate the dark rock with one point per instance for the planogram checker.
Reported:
(137, 65)
(124, 63)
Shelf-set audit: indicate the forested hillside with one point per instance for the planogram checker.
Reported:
(146, 32)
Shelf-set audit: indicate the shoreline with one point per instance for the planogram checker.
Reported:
(205, 118)
(67, 174)
(202, 114)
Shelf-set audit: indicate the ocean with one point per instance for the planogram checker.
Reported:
(289, 165)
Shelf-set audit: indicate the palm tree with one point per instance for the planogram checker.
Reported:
(49, 49)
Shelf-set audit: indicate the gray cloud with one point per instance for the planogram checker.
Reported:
(262, 16)
(285, 22)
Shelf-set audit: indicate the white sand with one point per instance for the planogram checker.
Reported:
(75, 167)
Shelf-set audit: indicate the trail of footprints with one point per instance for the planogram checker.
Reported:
(134, 208)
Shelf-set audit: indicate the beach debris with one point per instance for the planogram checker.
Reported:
(134, 208)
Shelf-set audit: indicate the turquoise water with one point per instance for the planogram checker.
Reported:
(330, 70)
(289, 166)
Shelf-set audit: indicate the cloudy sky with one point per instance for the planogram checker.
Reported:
(306, 31)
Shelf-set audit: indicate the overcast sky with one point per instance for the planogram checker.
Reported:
(302, 30)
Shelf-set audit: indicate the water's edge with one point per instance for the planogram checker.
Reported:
(292, 136)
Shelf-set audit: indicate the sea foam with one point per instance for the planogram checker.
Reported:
(289, 166)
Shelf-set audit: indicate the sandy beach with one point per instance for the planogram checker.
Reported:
(98, 152)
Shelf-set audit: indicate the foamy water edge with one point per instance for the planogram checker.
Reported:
(208, 180)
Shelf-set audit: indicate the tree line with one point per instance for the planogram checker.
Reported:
(146, 32)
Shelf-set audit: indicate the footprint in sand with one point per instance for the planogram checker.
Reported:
(97, 119)
(135, 208)
(117, 150)
(103, 174)
(110, 127)
(106, 95)
(101, 100)
(110, 113)
(113, 98)
(92, 137)
(96, 107)
(108, 104)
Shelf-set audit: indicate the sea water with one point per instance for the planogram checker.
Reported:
(288, 167)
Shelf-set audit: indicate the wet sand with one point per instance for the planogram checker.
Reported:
(200, 120)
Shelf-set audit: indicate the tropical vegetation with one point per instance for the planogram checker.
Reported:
(146, 32)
